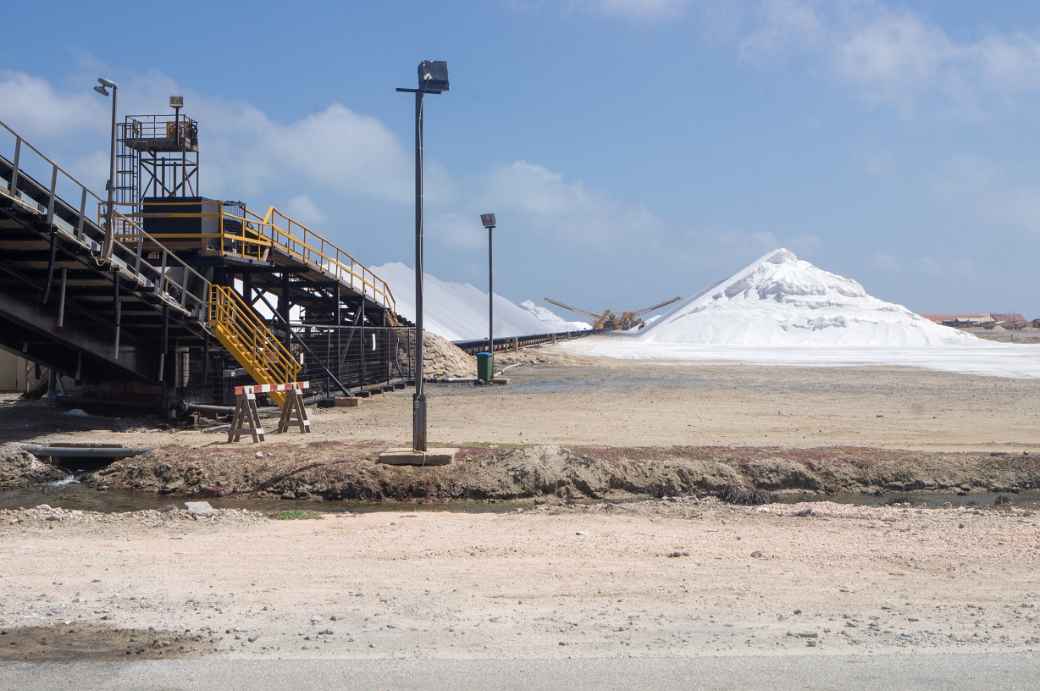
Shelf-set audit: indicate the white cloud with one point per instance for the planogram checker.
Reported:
(33, 107)
(338, 151)
(247, 153)
(889, 55)
(638, 9)
(302, 208)
(782, 25)
(456, 229)
(567, 210)
(893, 55)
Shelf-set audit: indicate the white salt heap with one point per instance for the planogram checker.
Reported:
(782, 310)
(459, 311)
(781, 300)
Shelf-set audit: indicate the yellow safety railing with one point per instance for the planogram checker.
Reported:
(245, 335)
(251, 236)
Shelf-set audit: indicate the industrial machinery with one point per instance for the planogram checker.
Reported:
(609, 320)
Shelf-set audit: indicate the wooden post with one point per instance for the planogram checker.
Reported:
(293, 410)
(246, 414)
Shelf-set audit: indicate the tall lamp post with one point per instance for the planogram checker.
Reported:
(488, 221)
(433, 79)
(102, 88)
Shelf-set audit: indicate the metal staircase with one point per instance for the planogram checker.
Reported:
(246, 336)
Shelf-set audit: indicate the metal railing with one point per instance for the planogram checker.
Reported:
(244, 233)
(249, 339)
(173, 279)
(315, 249)
(167, 126)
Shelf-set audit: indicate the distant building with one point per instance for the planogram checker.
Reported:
(1009, 320)
(966, 319)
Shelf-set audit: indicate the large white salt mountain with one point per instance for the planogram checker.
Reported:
(459, 311)
(783, 301)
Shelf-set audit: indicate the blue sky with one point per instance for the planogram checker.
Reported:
(633, 149)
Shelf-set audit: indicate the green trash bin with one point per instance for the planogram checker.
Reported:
(485, 367)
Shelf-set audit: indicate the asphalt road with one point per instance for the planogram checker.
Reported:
(819, 671)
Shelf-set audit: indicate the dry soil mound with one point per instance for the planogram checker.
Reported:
(442, 359)
(19, 468)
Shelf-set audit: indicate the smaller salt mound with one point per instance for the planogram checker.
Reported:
(553, 321)
(783, 301)
(442, 359)
(459, 311)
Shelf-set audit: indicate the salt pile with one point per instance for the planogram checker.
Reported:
(459, 311)
(781, 310)
(781, 300)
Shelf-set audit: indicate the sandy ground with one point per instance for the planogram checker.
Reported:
(678, 578)
(661, 579)
(614, 403)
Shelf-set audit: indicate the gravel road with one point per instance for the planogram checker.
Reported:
(650, 579)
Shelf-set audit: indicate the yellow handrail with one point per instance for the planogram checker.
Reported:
(247, 337)
(253, 236)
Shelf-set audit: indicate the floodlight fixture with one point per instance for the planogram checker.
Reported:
(487, 220)
(176, 101)
(102, 88)
(433, 76)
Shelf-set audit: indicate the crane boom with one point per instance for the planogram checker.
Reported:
(576, 310)
(658, 306)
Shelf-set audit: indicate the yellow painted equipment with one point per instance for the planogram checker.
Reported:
(245, 335)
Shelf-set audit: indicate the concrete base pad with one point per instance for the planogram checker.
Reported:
(345, 402)
(411, 457)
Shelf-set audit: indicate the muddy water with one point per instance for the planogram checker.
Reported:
(70, 494)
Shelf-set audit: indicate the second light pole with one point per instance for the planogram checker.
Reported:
(488, 221)
(433, 79)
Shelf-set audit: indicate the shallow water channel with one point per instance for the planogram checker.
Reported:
(71, 494)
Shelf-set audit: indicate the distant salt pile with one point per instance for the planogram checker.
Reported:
(783, 301)
(459, 311)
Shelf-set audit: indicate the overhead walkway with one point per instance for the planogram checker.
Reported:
(67, 306)
(276, 251)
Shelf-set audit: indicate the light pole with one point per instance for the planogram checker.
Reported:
(433, 79)
(102, 88)
(488, 221)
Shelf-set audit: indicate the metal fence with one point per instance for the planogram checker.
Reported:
(335, 359)
(354, 357)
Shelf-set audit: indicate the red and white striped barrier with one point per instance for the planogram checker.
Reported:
(271, 388)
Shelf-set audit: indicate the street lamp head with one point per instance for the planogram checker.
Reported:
(106, 82)
(101, 90)
(488, 221)
(433, 76)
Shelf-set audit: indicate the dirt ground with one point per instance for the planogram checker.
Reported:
(337, 471)
(550, 577)
(683, 578)
(553, 399)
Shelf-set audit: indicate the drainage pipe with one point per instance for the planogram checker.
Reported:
(113, 452)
